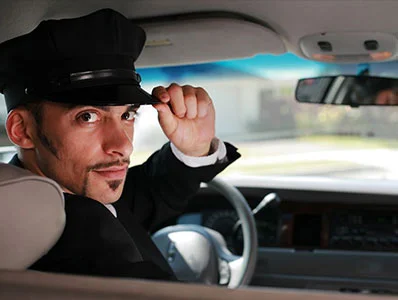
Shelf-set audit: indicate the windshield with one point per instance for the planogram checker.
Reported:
(257, 112)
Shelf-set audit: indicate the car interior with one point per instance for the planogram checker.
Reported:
(307, 91)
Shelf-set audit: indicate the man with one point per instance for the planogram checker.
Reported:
(72, 94)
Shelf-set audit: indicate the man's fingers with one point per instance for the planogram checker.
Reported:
(190, 101)
(204, 102)
(185, 101)
(161, 93)
(177, 100)
(166, 118)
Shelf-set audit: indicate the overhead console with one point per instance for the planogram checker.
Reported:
(350, 47)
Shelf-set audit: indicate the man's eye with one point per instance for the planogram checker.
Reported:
(88, 117)
(129, 115)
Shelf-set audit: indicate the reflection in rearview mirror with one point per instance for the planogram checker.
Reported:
(348, 90)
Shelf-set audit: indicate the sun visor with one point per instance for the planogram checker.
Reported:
(205, 40)
(350, 47)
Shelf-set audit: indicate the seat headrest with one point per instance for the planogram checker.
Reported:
(32, 216)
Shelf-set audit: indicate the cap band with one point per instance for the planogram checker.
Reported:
(84, 79)
(119, 74)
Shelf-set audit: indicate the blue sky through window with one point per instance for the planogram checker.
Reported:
(286, 66)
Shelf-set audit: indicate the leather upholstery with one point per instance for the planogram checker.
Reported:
(32, 216)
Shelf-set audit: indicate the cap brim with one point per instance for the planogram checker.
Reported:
(104, 96)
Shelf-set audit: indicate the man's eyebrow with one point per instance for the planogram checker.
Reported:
(107, 107)
(133, 107)
(102, 107)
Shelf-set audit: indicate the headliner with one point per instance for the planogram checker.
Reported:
(291, 19)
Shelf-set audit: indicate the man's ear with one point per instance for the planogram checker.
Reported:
(19, 127)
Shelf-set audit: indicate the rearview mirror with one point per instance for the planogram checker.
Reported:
(348, 90)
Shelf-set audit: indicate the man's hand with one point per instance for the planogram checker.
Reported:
(187, 118)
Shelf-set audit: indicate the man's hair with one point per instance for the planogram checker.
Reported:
(35, 107)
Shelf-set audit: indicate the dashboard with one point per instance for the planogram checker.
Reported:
(309, 226)
(316, 238)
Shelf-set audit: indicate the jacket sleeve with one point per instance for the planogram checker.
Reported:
(161, 187)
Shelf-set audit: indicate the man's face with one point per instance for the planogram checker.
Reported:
(85, 149)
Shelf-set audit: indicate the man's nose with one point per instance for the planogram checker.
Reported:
(118, 140)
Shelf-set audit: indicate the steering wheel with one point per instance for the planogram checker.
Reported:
(200, 254)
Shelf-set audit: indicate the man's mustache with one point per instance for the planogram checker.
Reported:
(104, 165)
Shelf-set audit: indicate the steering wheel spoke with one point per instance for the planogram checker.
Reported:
(230, 265)
(235, 269)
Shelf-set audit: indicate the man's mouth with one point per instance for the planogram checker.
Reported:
(112, 173)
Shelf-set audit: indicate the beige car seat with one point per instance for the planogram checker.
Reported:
(32, 217)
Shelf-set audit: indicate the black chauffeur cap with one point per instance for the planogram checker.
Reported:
(83, 61)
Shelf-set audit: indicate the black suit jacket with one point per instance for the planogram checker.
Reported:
(94, 242)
